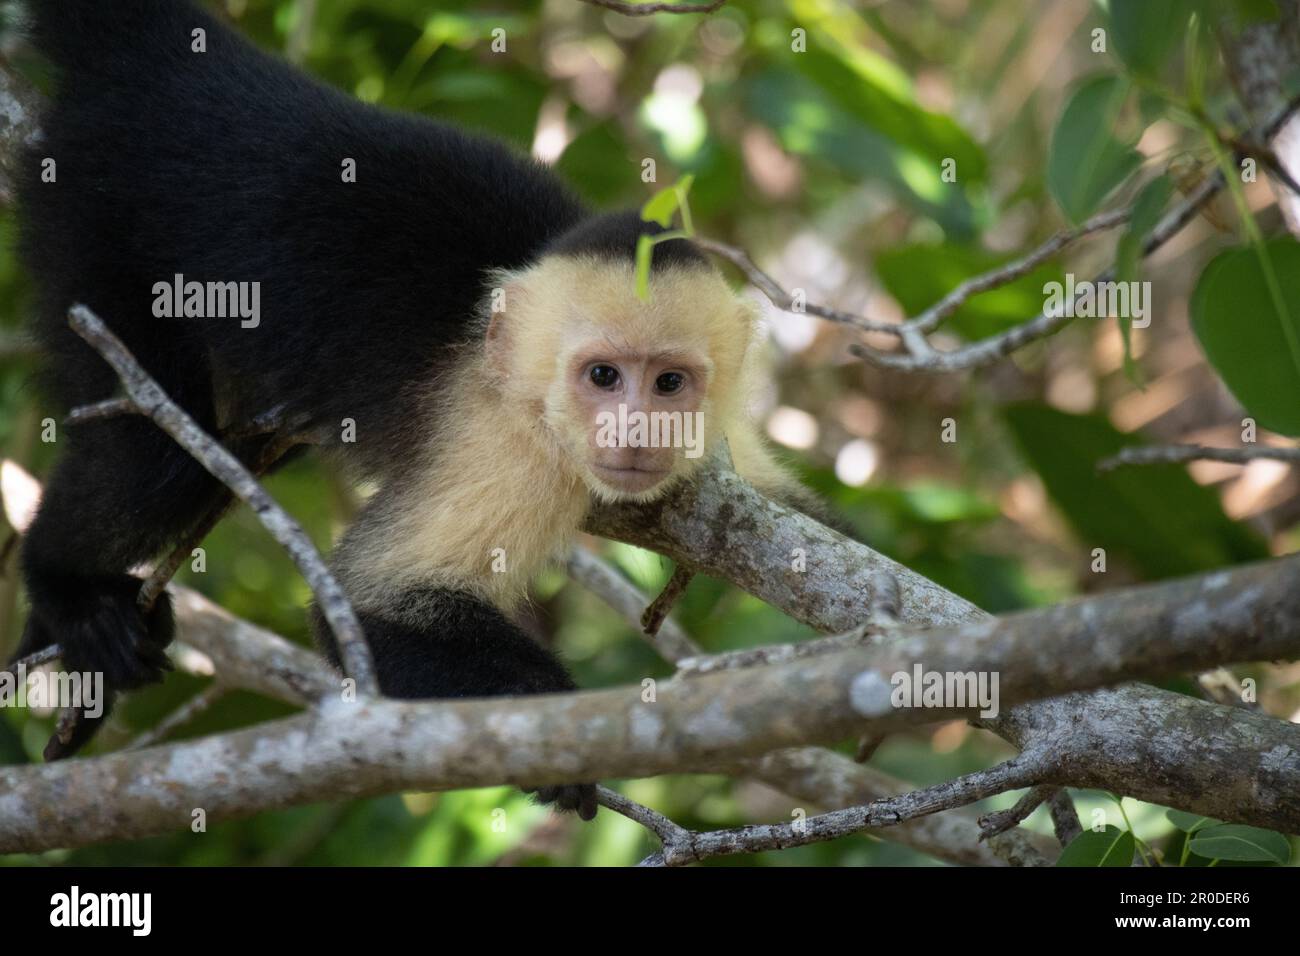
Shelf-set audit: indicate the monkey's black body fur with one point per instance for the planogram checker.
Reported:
(227, 166)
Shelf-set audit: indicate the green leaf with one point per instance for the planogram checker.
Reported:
(1190, 822)
(1242, 844)
(1154, 517)
(665, 204)
(1144, 32)
(1088, 159)
(644, 249)
(1254, 348)
(661, 208)
(1110, 847)
(836, 145)
(844, 73)
(1147, 208)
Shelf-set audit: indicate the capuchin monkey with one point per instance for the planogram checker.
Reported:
(445, 303)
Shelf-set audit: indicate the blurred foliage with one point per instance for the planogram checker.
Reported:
(873, 155)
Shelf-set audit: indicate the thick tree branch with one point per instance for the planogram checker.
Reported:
(813, 774)
(723, 527)
(697, 723)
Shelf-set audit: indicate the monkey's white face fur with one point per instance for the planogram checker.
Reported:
(634, 393)
(521, 454)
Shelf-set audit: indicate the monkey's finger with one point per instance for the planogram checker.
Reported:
(76, 732)
(543, 794)
(587, 801)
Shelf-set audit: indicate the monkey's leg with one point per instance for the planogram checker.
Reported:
(121, 492)
(434, 643)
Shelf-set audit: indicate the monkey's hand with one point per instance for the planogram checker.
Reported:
(100, 631)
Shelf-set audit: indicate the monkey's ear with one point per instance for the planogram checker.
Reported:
(496, 344)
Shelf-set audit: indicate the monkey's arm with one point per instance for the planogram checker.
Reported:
(436, 643)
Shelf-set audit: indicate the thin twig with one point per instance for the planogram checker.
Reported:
(679, 849)
(783, 300)
(654, 615)
(992, 349)
(33, 660)
(666, 830)
(1000, 821)
(646, 9)
(867, 746)
(182, 715)
(65, 729)
(918, 355)
(1176, 454)
(1065, 819)
(108, 408)
(154, 403)
(933, 317)
(670, 642)
(157, 582)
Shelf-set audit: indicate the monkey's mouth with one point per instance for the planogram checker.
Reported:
(630, 478)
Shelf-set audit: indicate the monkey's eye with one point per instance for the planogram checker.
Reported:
(604, 376)
(670, 382)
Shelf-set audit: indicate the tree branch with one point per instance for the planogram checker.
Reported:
(371, 746)
(653, 617)
(1173, 454)
(813, 774)
(721, 526)
(919, 355)
(683, 846)
(632, 9)
(151, 401)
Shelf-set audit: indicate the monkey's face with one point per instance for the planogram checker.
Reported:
(641, 416)
(631, 393)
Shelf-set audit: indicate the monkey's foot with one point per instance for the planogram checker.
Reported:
(579, 797)
(100, 629)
